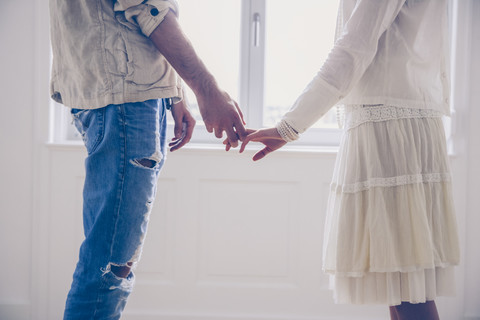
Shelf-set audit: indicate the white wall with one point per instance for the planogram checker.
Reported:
(472, 252)
(181, 276)
(16, 160)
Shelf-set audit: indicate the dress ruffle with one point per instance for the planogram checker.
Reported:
(390, 219)
(392, 288)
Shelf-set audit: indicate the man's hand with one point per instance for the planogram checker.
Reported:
(221, 113)
(184, 124)
(218, 110)
(269, 137)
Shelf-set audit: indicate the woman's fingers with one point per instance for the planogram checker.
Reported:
(261, 154)
(246, 140)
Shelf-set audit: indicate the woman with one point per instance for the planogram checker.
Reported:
(390, 233)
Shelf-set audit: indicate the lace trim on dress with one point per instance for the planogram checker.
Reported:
(390, 182)
(359, 114)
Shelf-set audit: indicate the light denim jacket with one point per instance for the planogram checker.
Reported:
(102, 54)
(389, 52)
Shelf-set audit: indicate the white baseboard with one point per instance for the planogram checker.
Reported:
(156, 316)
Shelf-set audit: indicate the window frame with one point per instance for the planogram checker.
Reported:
(251, 88)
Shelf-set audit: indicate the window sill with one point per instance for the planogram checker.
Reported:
(218, 147)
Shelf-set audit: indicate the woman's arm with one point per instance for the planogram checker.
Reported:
(348, 60)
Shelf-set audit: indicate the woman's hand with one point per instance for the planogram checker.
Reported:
(269, 137)
(184, 124)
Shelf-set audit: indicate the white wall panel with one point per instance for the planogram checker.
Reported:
(228, 238)
(245, 233)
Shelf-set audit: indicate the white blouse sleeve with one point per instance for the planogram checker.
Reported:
(352, 53)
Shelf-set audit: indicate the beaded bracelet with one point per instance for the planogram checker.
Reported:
(286, 131)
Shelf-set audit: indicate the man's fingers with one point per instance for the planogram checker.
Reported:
(173, 145)
(227, 144)
(218, 133)
(189, 130)
(177, 131)
(232, 137)
(177, 144)
(185, 135)
(240, 112)
(240, 128)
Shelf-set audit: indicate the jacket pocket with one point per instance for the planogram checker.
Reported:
(117, 56)
(91, 125)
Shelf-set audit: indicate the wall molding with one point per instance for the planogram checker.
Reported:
(184, 316)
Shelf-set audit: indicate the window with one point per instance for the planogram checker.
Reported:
(297, 43)
(263, 53)
(214, 28)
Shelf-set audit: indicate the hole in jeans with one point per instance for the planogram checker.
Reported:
(121, 271)
(145, 163)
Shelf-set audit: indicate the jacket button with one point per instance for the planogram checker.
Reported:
(154, 12)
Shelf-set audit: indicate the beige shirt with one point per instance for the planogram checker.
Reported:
(102, 54)
(387, 52)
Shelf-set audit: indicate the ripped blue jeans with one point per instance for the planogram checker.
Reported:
(126, 150)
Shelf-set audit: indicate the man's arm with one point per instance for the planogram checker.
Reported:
(219, 112)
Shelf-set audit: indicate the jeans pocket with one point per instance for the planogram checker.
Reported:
(90, 123)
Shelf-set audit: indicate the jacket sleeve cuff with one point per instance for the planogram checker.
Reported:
(180, 91)
(317, 98)
(148, 14)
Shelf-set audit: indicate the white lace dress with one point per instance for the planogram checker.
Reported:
(390, 233)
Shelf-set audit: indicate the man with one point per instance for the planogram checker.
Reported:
(118, 65)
